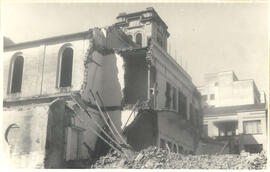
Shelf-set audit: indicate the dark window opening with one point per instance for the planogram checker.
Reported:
(212, 96)
(182, 105)
(159, 40)
(139, 39)
(204, 97)
(168, 96)
(162, 144)
(17, 74)
(180, 149)
(148, 41)
(192, 113)
(227, 130)
(66, 68)
(174, 98)
(174, 148)
(205, 130)
(130, 37)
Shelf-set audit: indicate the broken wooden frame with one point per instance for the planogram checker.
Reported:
(120, 147)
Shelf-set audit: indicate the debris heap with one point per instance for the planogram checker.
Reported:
(153, 157)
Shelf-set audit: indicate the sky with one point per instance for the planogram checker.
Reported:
(204, 37)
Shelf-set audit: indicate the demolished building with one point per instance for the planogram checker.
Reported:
(64, 95)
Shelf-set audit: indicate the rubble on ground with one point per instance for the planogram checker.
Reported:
(156, 158)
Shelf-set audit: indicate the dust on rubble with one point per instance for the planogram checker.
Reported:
(153, 157)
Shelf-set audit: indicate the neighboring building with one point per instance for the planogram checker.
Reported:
(235, 112)
(46, 128)
(224, 89)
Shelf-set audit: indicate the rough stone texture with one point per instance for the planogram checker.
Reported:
(157, 158)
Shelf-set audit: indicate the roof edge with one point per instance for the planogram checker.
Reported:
(49, 39)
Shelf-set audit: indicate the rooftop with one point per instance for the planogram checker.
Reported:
(153, 16)
(47, 40)
(233, 109)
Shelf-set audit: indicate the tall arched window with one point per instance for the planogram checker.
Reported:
(66, 67)
(17, 73)
(139, 39)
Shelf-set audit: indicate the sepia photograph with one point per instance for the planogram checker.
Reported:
(135, 84)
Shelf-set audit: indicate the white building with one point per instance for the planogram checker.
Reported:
(234, 111)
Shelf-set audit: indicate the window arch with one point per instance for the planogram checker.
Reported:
(130, 37)
(139, 39)
(66, 63)
(16, 74)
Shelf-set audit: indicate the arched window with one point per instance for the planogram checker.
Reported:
(139, 39)
(130, 37)
(17, 73)
(66, 67)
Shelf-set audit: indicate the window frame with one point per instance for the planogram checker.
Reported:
(182, 102)
(11, 73)
(174, 98)
(139, 33)
(258, 127)
(168, 96)
(212, 97)
(204, 97)
(59, 67)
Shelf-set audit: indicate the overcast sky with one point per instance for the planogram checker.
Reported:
(210, 37)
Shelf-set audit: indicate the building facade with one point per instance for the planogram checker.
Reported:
(125, 64)
(235, 112)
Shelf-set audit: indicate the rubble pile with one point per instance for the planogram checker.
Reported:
(154, 157)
